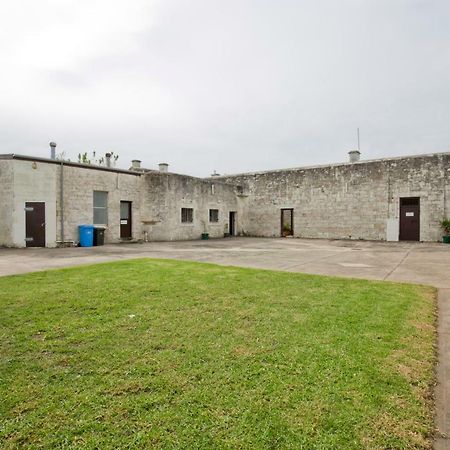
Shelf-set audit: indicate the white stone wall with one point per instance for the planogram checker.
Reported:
(163, 196)
(348, 201)
(6, 202)
(33, 182)
(79, 186)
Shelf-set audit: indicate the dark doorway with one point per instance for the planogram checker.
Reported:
(125, 220)
(232, 223)
(35, 224)
(287, 222)
(410, 219)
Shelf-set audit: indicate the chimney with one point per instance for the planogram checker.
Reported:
(108, 159)
(354, 156)
(53, 150)
(163, 167)
(135, 164)
(215, 174)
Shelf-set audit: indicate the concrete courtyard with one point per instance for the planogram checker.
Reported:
(424, 263)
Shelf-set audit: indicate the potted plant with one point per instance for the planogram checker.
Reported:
(205, 234)
(287, 230)
(445, 225)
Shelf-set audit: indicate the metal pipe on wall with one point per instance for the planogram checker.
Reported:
(61, 200)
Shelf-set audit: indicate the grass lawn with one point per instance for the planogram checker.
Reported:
(168, 354)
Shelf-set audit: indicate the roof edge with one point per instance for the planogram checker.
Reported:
(323, 166)
(10, 156)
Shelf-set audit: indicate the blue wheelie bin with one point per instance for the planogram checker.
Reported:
(86, 235)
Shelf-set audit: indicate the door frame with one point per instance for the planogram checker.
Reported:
(232, 223)
(28, 204)
(401, 207)
(282, 221)
(130, 218)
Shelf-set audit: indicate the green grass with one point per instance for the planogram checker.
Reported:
(166, 354)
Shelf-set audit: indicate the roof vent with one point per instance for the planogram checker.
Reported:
(53, 150)
(215, 174)
(135, 164)
(354, 156)
(163, 167)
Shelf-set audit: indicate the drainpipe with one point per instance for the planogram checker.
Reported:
(61, 200)
(61, 191)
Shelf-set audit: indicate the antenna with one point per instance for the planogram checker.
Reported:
(357, 133)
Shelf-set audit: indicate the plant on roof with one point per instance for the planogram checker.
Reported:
(84, 158)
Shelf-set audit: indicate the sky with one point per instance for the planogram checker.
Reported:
(232, 86)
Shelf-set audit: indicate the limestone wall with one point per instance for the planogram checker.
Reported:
(347, 201)
(6, 202)
(33, 182)
(163, 196)
(79, 186)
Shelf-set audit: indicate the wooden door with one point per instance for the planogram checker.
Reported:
(35, 224)
(125, 220)
(409, 219)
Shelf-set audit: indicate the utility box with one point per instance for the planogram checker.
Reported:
(99, 236)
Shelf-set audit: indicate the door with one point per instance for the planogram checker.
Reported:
(287, 222)
(232, 223)
(125, 220)
(410, 219)
(35, 224)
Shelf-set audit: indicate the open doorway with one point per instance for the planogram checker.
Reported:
(287, 222)
(232, 223)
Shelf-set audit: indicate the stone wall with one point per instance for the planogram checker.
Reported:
(347, 201)
(39, 181)
(342, 201)
(163, 196)
(79, 186)
(6, 202)
(33, 182)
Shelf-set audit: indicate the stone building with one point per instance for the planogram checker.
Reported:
(389, 199)
(42, 201)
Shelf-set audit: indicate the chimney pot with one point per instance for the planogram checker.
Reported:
(354, 156)
(108, 159)
(135, 165)
(53, 150)
(163, 167)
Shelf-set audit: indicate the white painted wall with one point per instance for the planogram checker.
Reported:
(392, 230)
(33, 182)
(6, 202)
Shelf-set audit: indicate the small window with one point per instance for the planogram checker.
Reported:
(213, 215)
(100, 208)
(187, 215)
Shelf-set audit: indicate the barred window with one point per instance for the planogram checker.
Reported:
(187, 215)
(213, 215)
(100, 208)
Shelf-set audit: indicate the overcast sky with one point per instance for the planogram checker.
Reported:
(232, 86)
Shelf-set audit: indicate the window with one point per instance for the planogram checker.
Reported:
(213, 215)
(100, 208)
(187, 215)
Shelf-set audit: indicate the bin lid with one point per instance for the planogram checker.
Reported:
(85, 226)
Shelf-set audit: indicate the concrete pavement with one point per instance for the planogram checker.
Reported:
(424, 263)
